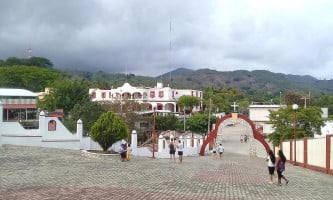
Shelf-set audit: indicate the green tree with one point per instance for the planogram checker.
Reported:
(221, 99)
(168, 122)
(326, 101)
(88, 112)
(199, 123)
(309, 122)
(11, 61)
(108, 129)
(33, 61)
(65, 94)
(187, 101)
(38, 61)
(30, 78)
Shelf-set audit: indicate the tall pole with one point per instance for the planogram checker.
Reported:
(280, 98)
(209, 110)
(295, 107)
(295, 136)
(154, 132)
(184, 119)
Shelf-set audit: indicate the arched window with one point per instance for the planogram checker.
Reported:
(52, 125)
(160, 94)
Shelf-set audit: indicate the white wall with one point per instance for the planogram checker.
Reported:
(317, 152)
(299, 151)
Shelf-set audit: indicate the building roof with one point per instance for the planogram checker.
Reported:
(16, 92)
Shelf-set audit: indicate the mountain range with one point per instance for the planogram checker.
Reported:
(251, 82)
(259, 81)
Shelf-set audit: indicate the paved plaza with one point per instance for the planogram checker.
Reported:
(44, 173)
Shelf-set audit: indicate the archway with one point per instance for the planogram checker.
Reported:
(213, 134)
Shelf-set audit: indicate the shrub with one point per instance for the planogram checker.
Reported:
(108, 129)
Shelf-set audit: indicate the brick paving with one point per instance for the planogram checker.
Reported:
(44, 173)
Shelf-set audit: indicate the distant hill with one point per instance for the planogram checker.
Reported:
(257, 81)
(177, 72)
(251, 82)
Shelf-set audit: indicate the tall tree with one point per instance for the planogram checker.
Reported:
(168, 122)
(88, 112)
(65, 94)
(199, 123)
(187, 101)
(309, 122)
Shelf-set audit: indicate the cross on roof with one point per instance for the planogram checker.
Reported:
(234, 105)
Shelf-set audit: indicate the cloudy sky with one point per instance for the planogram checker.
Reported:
(133, 36)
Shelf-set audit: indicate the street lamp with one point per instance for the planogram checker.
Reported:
(154, 129)
(295, 107)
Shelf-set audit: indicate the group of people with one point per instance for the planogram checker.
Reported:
(172, 151)
(125, 152)
(220, 150)
(277, 164)
(243, 138)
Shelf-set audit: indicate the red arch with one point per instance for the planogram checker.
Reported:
(212, 135)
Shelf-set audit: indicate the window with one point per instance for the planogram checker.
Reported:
(93, 95)
(103, 95)
(152, 94)
(160, 94)
(52, 125)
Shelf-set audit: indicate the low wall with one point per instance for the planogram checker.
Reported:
(312, 153)
(51, 133)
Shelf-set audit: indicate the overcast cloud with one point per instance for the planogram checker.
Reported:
(128, 36)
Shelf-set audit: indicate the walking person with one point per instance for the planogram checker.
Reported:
(280, 167)
(221, 150)
(172, 150)
(123, 151)
(180, 151)
(271, 165)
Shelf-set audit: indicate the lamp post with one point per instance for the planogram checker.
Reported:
(295, 107)
(154, 132)
(184, 119)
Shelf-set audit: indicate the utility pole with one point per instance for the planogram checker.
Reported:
(306, 98)
(209, 111)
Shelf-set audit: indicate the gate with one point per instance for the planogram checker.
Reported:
(212, 135)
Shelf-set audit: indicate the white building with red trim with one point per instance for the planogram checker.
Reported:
(159, 97)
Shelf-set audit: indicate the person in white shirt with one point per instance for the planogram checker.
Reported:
(221, 150)
(271, 165)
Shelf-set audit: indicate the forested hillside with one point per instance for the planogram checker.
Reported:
(34, 73)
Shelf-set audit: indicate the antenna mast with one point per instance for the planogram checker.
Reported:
(29, 50)
(170, 54)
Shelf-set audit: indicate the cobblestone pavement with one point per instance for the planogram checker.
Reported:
(44, 173)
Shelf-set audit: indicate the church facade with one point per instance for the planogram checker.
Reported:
(163, 99)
